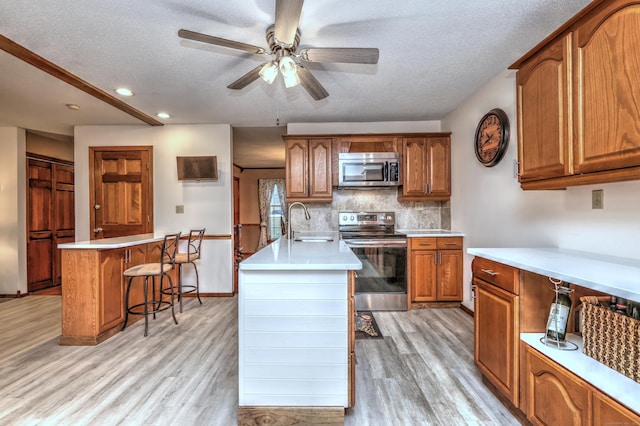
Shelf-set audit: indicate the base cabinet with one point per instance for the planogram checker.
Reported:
(555, 396)
(436, 269)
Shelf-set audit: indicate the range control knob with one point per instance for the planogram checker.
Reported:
(351, 218)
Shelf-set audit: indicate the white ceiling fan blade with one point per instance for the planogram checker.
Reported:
(351, 55)
(311, 85)
(246, 79)
(287, 19)
(204, 38)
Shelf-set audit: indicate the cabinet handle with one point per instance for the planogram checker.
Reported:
(473, 292)
(427, 188)
(490, 272)
(426, 244)
(450, 244)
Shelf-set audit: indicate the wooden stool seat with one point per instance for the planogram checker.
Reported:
(151, 269)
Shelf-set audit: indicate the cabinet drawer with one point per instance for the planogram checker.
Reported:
(449, 243)
(423, 243)
(501, 275)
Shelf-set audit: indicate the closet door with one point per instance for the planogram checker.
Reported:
(39, 225)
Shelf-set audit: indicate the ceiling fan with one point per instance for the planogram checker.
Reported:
(283, 38)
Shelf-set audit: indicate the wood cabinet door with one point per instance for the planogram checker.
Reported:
(609, 411)
(111, 289)
(296, 159)
(424, 275)
(607, 69)
(122, 196)
(544, 119)
(553, 396)
(320, 178)
(497, 338)
(40, 225)
(449, 286)
(438, 167)
(64, 213)
(414, 176)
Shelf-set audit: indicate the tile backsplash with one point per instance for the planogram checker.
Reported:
(324, 216)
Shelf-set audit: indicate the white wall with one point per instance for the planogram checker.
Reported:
(206, 204)
(488, 205)
(13, 229)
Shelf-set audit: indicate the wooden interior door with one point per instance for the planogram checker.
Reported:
(121, 191)
(39, 225)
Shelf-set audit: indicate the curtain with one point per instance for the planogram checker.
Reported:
(265, 192)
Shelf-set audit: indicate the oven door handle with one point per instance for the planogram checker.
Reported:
(377, 243)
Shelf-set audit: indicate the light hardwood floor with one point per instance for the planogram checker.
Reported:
(421, 373)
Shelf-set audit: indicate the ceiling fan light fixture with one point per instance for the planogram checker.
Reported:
(289, 71)
(269, 71)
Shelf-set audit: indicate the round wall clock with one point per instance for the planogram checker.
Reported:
(492, 137)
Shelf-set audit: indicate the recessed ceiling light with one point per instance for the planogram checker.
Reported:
(163, 115)
(73, 107)
(124, 92)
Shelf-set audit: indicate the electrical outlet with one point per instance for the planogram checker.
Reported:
(419, 206)
(597, 199)
(179, 208)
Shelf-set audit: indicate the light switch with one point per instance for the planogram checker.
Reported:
(179, 208)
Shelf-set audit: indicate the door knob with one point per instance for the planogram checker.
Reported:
(97, 230)
(97, 206)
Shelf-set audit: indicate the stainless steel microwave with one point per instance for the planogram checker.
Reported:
(370, 169)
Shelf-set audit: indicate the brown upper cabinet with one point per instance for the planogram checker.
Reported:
(308, 169)
(578, 107)
(426, 168)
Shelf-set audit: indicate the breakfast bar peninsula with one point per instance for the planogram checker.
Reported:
(296, 332)
(93, 287)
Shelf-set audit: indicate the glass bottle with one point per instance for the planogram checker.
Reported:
(559, 314)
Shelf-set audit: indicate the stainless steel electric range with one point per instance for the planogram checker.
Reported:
(381, 285)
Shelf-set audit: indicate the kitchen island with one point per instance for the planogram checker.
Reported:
(93, 285)
(296, 331)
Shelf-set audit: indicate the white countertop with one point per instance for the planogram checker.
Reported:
(412, 233)
(617, 276)
(616, 385)
(111, 243)
(284, 254)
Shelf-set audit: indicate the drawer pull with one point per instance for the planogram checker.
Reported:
(426, 244)
(490, 272)
(450, 244)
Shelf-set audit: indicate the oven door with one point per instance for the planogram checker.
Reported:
(381, 285)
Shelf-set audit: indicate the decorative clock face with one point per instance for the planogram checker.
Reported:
(492, 137)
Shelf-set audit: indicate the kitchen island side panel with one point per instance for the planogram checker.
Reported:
(293, 338)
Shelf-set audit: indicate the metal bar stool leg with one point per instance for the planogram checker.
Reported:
(197, 282)
(126, 305)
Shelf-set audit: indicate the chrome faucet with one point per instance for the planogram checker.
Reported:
(306, 216)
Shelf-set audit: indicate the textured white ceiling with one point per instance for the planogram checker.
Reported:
(433, 55)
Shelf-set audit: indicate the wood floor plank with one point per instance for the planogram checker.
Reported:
(420, 373)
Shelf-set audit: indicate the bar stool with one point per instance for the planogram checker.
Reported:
(193, 253)
(153, 302)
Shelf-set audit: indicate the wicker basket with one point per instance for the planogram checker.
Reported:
(611, 338)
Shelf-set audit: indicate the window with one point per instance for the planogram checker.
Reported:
(275, 215)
